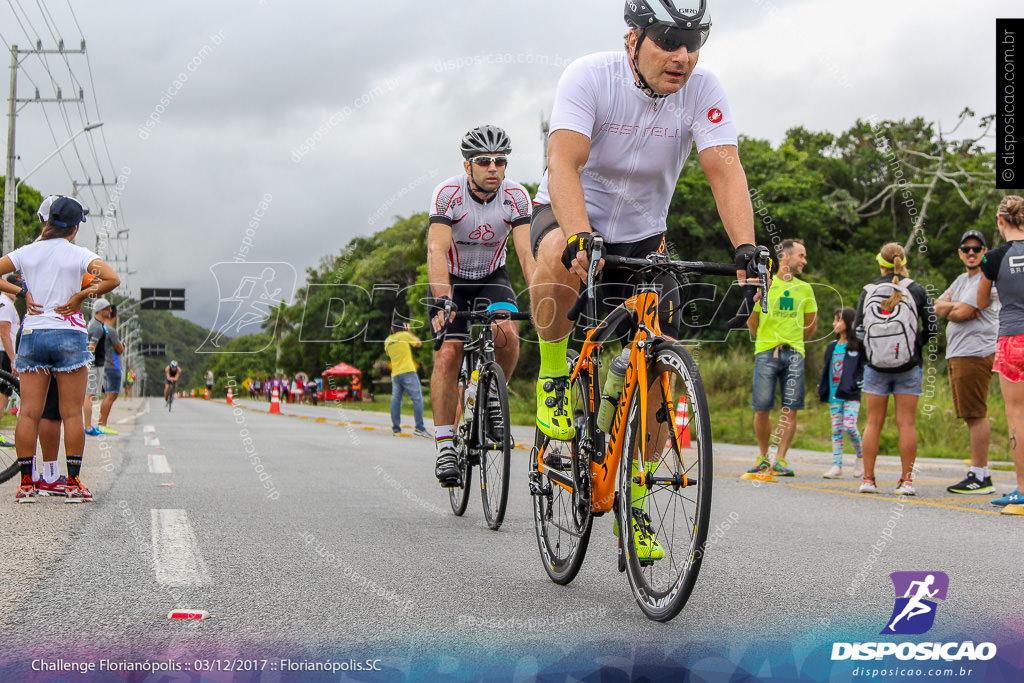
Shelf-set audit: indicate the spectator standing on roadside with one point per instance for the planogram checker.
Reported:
(404, 378)
(54, 341)
(10, 321)
(895, 319)
(1002, 267)
(779, 355)
(111, 369)
(102, 341)
(209, 383)
(129, 382)
(970, 353)
(841, 378)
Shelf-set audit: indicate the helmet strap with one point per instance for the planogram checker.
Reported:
(479, 191)
(638, 75)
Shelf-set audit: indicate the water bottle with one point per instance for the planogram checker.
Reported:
(470, 396)
(612, 388)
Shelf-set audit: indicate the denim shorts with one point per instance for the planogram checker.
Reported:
(60, 350)
(888, 383)
(787, 369)
(113, 381)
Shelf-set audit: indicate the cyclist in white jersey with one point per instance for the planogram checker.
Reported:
(621, 127)
(472, 216)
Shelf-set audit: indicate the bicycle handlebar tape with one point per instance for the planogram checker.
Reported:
(275, 403)
(447, 305)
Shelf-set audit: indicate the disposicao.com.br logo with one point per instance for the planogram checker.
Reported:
(913, 614)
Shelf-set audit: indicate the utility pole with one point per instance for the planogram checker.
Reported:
(545, 128)
(10, 185)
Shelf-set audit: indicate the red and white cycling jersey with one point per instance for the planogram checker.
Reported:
(479, 230)
(637, 144)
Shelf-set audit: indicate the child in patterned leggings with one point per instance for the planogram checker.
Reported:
(840, 387)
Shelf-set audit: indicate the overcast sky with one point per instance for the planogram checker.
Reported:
(385, 91)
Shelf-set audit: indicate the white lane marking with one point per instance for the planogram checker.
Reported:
(176, 555)
(151, 440)
(149, 429)
(158, 463)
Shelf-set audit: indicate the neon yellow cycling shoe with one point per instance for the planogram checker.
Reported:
(647, 546)
(553, 416)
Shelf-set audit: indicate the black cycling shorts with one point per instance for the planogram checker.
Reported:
(51, 409)
(618, 284)
(471, 295)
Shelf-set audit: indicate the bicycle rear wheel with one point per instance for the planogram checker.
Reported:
(496, 443)
(9, 385)
(672, 469)
(562, 492)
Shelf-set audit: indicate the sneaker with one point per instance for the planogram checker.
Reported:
(56, 488)
(104, 429)
(905, 488)
(419, 431)
(868, 486)
(971, 484)
(1014, 498)
(835, 472)
(5, 442)
(77, 494)
(781, 469)
(25, 494)
(93, 431)
(858, 469)
(447, 467)
(647, 546)
(553, 417)
(762, 465)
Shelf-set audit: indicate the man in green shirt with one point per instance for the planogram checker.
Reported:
(404, 377)
(779, 355)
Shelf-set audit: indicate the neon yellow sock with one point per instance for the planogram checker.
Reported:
(638, 492)
(552, 358)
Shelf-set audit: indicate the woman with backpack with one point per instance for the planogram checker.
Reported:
(1001, 266)
(895, 319)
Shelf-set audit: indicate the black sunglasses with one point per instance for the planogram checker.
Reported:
(972, 250)
(484, 162)
(671, 38)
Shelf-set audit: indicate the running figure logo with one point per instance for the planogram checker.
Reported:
(250, 295)
(914, 612)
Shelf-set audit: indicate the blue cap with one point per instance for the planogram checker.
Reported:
(66, 212)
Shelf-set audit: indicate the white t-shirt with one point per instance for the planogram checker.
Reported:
(479, 230)
(53, 271)
(637, 143)
(972, 338)
(8, 313)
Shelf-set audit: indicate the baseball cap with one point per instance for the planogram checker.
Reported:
(100, 305)
(975, 234)
(66, 212)
(44, 208)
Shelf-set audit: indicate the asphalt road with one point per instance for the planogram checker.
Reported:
(320, 534)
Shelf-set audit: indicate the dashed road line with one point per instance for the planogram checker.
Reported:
(176, 557)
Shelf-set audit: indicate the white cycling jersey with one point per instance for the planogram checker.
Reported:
(637, 143)
(479, 230)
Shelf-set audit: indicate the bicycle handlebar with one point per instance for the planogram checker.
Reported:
(658, 261)
(484, 317)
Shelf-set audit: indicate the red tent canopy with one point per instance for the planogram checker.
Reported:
(341, 369)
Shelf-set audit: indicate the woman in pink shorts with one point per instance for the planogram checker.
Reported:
(1005, 267)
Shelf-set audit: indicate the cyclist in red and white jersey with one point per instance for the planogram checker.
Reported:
(621, 127)
(472, 216)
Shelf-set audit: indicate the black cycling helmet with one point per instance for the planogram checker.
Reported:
(485, 140)
(670, 26)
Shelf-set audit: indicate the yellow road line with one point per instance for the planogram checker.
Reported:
(889, 499)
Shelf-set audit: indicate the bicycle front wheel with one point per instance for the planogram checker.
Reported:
(665, 483)
(562, 492)
(495, 443)
(10, 386)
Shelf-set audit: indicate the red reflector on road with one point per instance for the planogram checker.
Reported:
(194, 614)
(168, 484)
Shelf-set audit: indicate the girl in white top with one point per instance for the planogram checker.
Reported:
(54, 339)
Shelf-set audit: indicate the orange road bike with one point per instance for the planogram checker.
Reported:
(653, 467)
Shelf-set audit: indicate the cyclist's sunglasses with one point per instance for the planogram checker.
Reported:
(484, 162)
(972, 250)
(671, 38)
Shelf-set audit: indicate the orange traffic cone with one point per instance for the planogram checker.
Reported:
(193, 395)
(206, 394)
(275, 403)
(229, 395)
(683, 424)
